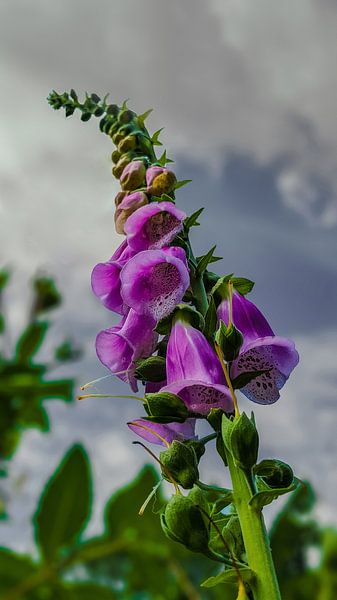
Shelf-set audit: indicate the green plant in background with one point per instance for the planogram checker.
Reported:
(132, 560)
(24, 383)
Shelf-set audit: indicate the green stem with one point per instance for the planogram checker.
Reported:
(255, 537)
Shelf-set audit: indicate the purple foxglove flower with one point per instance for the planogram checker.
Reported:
(105, 279)
(126, 204)
(119, 347)
(194, 372)
(151, 387)
(261, 350)
(154, 226)
(155, 281)
(169, 432)
(160, 180)
(133, 175)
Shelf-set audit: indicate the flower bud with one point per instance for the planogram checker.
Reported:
(133, 175)
(115, 156)
(241, 439)
(165, 407)
(230, 340)
(126, 205)
(127, 143)
(182, 463)
(120, 166)
(160, 181)
(151, 369)
(183, 521)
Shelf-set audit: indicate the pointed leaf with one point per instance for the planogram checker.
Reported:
(192, 220)
(31, 340)
(242, 285)
(164, 160)
(65, 504)
(229, 576)
(155, 137)
(211, 320)
(142, 118)
(14, 569)
(181, 183)
(204, 261)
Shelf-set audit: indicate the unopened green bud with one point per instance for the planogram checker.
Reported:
(230, 340)
(165, 407)
(185, 522)
(120, 166)
(182, 463)
(125, 116)
(115, 156)
(241, 439)
(127, 143)
(151, 369)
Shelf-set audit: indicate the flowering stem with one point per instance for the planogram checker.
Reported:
(255, 537)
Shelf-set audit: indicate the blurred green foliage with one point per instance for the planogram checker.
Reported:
(25, 384)
(133, 560)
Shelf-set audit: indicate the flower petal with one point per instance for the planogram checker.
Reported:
(246, 317)
(154, 282)
(201, 397)
(154, 225)
(190, 356)
(105, 279)
(272, 352)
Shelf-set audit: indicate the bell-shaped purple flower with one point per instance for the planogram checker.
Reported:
(154, 281)
(194, 372)
(105, 279)
(261, 350)
(119, 347)
(154, 226)
(159, 433)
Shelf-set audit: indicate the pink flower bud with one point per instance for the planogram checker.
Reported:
(126, 204)
(133, 175)
(160, 181)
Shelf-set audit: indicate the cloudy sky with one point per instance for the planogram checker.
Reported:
(247, 93)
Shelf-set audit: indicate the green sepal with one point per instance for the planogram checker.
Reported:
(205, 260)
(192, 220)
(142, 118)
(184, 313)
(229, 576)
(165, 405)
(232, 535)
(275, 473)
(230, 340)
(181, 183)
(211, 321)
(182, 463)
(155, 137)
(185, 522)
(215, 420)
(220, 288)
(241, 439)
(163, 160)
(244, 378)
(268, 494)
(151, 369)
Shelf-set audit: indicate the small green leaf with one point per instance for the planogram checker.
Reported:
(260, 499)
(65, 505)
(242, 285)
(2, 323)
(142, 118)
(211, 320)
(181, 183)
(229, 576)
(14, 569)
(164, 160)
(192, 220)
(244, 378)
(155, 137)
(31, 340)
(204, 261)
